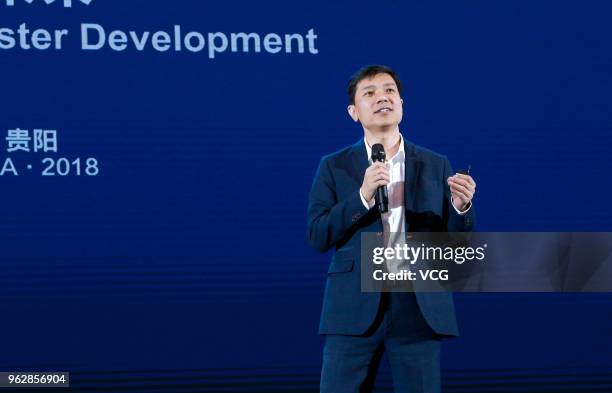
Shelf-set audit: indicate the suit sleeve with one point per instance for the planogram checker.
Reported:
(455, 222)
(329, 220)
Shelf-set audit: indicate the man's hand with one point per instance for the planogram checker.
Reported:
(376, 175)
(462, 188)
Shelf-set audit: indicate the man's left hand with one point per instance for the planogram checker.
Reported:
(462, 188)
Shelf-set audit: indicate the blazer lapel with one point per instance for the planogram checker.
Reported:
(412, 167)
(359, 161)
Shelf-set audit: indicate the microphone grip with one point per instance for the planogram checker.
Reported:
(382, 199)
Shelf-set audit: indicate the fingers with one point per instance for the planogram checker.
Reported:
(462, 190)
(462, 187)
(380, 183)
(462, 197)
(376, 175)
(378, 172)
(465, 180)
(380, 175)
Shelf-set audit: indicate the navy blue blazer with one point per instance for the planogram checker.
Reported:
(337, 217)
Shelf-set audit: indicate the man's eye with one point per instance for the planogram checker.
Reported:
(390, 90)
(368, 93)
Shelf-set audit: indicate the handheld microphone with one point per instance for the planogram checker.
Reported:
(382, 197)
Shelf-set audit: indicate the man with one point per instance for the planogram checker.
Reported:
(424, 195)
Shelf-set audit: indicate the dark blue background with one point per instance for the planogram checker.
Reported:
(184, 266)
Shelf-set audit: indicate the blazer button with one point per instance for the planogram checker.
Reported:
(356, 217)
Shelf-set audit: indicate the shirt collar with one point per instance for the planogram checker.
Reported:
(396, 156)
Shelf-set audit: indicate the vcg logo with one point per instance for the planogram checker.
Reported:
(67, 3)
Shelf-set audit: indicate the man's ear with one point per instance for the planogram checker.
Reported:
(352, 111)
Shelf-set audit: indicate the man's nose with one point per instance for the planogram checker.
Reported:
(382, 99)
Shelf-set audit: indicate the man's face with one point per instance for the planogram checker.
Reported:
(378, 104)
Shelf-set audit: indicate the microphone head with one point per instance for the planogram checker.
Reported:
(378, 152)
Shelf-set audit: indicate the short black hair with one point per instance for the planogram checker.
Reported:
(370, 72)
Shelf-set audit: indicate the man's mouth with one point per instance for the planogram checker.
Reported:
(384, 110)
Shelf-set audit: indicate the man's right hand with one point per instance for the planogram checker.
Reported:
(376, 175)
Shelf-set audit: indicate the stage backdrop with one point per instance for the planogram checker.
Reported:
(157, 157)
